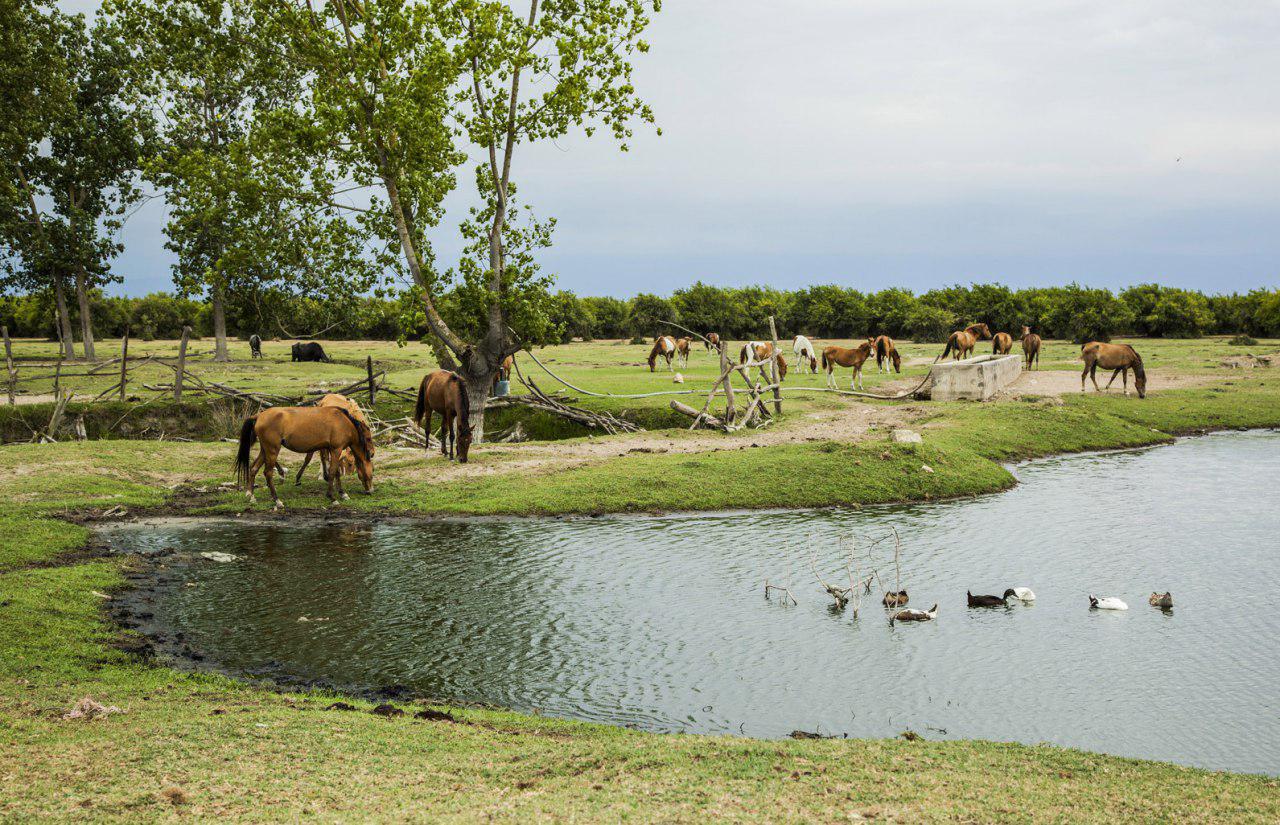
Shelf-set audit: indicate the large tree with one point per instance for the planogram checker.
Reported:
(397, 85)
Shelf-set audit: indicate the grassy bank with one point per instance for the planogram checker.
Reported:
(208, 746)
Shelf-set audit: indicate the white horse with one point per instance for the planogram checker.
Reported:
(805, 354)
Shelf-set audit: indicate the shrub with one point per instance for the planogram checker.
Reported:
(1243, 340)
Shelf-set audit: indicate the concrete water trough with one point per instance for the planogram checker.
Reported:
(975, 379)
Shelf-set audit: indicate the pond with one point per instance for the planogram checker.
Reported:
(661, 623)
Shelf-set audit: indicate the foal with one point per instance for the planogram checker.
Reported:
(841, 356)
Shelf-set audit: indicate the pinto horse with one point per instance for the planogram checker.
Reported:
(885, 350)
(963, 342)
(346, 461)
(1118, 357)
(843, 357)
(665, 346)
(445, 392)
(1030, 345)
(1001, 343)
(712, 340)
(804, 352)
(758, 351)
(303, 430)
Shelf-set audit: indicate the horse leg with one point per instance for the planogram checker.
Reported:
(271, 485)
(426, 428)
(297, 482)
(1124, 379)
(253, 471)
(1113, 378)
(1093, 376)
(446, 434)
(335, 475)
(1084, 375)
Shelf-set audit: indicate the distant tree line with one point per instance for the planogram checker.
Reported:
(1072, 312)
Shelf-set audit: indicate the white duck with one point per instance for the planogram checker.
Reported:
(914, 615)
(1107, 603)
(1023, 593)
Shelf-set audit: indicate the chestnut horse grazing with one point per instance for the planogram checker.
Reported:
(1118, 357)
(840, 356)
(963, 342)
(346, 461)
(886, 351)
(303, 430)
(445, 392)
(758, 351)
(712, 340)
(665, 346)
(1001, 343)
(804, 352)
(1030, 346)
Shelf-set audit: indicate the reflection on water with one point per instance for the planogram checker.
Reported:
(660, 622)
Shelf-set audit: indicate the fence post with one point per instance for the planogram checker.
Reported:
(182, 364)
(124, 361)
(773, 368)
(368, 365)
(8, 362)
(729, 412)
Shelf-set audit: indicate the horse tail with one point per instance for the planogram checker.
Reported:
(882, 348)
(464, 401)
(824, 360)
(420, 408)
(950, 343)
(248, 435)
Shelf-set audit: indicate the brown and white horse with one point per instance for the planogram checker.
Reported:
(712, 340)
(844, 357)
(1001, 343)
(803, 349)
(1118, 357)
(886, 351)
(1030, 346)
(445, 392)
(762, 351)
(665, 346)
(963, 342)
(329, 430)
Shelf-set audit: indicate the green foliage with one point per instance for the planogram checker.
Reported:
(930, 323)
(1082, 314)
(1168, 312)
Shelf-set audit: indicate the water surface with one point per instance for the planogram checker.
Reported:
(661, 622)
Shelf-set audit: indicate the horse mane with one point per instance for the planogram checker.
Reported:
(464, 401)
(1137, 362)
(362, 432)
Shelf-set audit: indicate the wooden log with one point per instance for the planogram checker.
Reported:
(697, 415)
(182, 365)
(124, 363)
(773, 369)
(8, 361)
(730, 412)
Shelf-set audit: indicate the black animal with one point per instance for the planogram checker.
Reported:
(309, 352)
(988, 601)
(255, 346)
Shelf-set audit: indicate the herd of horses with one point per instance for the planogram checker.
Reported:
(338, 430)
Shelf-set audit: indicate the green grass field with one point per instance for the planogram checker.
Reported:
(208, 746)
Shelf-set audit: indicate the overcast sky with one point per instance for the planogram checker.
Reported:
(897, 142)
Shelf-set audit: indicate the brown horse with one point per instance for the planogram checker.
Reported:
(1118, 357)
(346, 461)
(1030, 346)
(665, 346)
(885, 350)
(963, 342)
(841, 356)
(1001, 343)
(712, 340)
(682, 350)
(445, 392)
(303, 430)
(503, 372)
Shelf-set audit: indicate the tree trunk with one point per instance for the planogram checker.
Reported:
(86, 319)
(64, 318)
(478, 387)
(219, 324)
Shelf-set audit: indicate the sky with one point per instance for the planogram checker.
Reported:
(874, 143)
